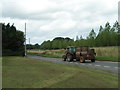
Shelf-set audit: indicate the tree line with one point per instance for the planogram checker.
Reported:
(107, 36)
(12, 41)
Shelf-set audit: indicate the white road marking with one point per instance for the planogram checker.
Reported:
(83, 64)
(98, 65)
(89, 64)
(116, 67)
(112, 62)
(76, 63)
(106, 66)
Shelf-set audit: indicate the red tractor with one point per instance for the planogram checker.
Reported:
(79, 53)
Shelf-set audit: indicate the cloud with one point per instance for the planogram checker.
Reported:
(47, 19)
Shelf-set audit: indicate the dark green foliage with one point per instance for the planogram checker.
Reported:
(35, 46)
(107, 36)
(12, 41)
(57, 43)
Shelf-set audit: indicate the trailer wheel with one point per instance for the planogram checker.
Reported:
(92, 60)
(69, 58)
(82, 60)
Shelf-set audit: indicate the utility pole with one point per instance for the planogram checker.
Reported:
(25, 39)
(29, 44)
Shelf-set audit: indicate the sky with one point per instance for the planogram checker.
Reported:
(47, 19)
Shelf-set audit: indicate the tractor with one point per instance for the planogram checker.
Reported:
(79, 53)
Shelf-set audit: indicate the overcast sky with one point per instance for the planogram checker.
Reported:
(47, 19)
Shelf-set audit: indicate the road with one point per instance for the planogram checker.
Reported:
(102, 65)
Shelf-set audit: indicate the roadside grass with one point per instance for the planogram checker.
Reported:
(22, 72)
(47, 53)
(115, 59)
(44, 55)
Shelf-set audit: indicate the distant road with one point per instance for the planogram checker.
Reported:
(102, 65)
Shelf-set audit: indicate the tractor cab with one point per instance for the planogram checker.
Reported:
(71, 50)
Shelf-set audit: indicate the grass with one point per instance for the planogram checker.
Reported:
(110, 51)
(45, 55)
(21, 72)
(115, 59)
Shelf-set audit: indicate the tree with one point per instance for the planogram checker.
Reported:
(77, 38)
(91, 38)
(81, 38)
(107, 26)
(12, 41)
(107, 36)
(101, 29)
(92, 34)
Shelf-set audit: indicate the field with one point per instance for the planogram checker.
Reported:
(107, 51)
(48, 53)
(22, 72)
(110, 53)
(102, 53)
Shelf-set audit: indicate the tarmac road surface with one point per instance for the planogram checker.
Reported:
(112, 67)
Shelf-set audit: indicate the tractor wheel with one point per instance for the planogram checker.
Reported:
(82, 60)
(77, 59)
(92, 60)
(69, 58)
(64, 58)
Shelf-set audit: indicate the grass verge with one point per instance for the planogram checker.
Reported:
(45, 55)
(21, 72)
(115, 59)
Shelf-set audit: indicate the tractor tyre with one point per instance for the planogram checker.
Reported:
(64, 58)
(69, 58)
(82, 59)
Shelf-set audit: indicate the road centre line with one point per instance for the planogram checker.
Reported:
(115, 67)
(97, 65)
(89, 64)
(76, 63)
(106, 66)
(112, 62)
